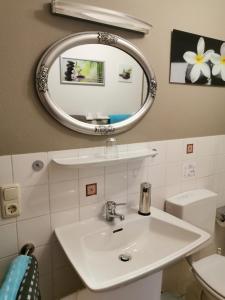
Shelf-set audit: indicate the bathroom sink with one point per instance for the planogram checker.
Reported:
(107, 255)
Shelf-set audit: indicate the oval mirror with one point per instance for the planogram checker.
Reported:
(95, 83)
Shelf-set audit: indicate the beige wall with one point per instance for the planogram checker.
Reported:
(27, 29)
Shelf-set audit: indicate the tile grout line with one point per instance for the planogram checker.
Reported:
(16, 219)
(51, 229)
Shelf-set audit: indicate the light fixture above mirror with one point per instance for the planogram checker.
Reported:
(99, 15)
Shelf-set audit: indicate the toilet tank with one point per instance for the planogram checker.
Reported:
(197, 207)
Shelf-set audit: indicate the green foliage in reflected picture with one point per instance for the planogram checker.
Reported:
(80, 71)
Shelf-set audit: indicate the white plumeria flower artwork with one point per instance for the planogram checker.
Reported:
(219, 63)
(199, 61)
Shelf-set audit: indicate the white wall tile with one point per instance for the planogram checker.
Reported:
(5, 170)
(174, 150)
(172, 190)
(157, 175)
(135, 178)
(219, 144)
(34, 201)
(205, 183)
(88, 200)
(205, 166)
(188, 185)
(64, 218)
(158, 198)
(206, 146)
(218, 187)
(173, 173)
(8, 240)
(133, 201)
(23, 172)
(91, 172)
(219, 163)
(121, 167)
(92, 211)
(137, 163)
(36, 231)
(59, 173)
(7, 220)
(116, 186)
(64, 195)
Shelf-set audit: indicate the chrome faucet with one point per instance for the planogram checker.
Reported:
(110, 209)
(145, 199)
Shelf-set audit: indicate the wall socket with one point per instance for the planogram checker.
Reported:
(10, 200)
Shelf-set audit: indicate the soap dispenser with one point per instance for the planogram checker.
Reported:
(145, 199)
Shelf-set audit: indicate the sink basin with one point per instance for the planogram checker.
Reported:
(148, 244)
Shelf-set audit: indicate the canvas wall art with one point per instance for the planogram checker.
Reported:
(197, 59)
(80, 71)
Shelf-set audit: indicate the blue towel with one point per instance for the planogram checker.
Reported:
(14, 277)
(118, 118)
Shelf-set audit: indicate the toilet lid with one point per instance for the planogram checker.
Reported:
(211, 270)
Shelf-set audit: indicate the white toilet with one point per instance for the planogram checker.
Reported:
(198, 207)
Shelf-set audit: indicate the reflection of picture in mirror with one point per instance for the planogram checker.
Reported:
(125, 73)
(80, 71)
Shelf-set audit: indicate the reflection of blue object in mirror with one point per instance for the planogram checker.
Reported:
(118, 118)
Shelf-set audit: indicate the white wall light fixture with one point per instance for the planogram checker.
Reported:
(99, 15)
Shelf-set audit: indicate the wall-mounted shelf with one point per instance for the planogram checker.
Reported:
(104, 160)
(99, 15)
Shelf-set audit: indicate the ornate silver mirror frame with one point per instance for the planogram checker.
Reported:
(92, 38)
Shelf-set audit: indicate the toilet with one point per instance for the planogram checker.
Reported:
(198, 207)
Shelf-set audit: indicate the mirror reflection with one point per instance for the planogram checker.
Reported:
(97, 84)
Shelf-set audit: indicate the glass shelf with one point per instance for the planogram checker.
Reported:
(104, 159)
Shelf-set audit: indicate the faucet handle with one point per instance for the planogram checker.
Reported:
(111, 205)
(110, 210)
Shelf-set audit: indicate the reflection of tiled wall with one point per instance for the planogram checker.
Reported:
(56, 195)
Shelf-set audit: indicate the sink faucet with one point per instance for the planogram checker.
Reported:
(111, 213)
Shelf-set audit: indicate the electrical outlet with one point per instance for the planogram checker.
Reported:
(10, 209)
(10, 200)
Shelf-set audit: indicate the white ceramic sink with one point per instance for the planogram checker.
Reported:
(151, 241)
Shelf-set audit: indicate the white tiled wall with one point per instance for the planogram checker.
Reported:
(56, 196)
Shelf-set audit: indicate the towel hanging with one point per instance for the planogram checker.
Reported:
(21, 282)
(29, 287)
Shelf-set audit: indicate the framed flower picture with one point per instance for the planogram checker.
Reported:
(197, 59)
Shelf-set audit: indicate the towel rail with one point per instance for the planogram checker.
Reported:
(27, 249)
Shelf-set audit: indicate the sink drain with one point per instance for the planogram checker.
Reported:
(124, 257)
